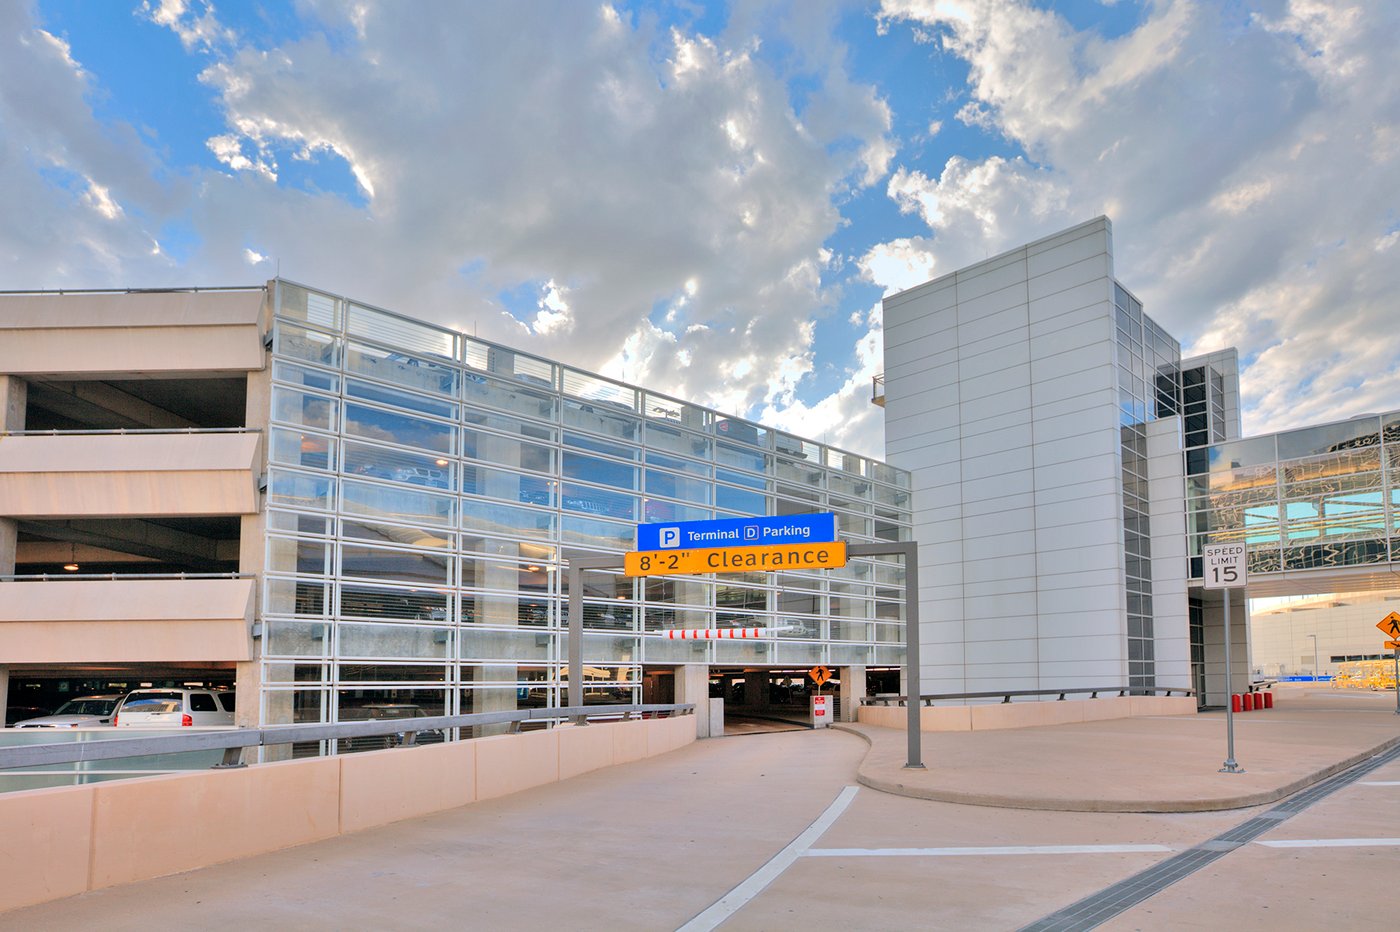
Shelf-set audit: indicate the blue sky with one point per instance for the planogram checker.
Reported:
(712, 198)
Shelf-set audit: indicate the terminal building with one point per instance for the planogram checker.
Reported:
(1069, 465)
(333, 507)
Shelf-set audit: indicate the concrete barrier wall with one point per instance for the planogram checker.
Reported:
(1027, 714)
(67, 840)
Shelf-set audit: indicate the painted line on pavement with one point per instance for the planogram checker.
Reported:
(993, 851)
(1379, 783)
(1333, 843)
(735, 899)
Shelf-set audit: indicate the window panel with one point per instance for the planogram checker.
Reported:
(304, 408)
(403, 429)
(397, 504)
(426, 470)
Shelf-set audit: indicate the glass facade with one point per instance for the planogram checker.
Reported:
(1318, 497)
(1149, 364)
(423, 487)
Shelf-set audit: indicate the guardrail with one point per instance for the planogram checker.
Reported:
(1006, 694)
(47, 577)
(233, 741)
(114, 431)
(188, 290)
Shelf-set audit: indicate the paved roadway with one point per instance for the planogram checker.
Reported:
(749, 833)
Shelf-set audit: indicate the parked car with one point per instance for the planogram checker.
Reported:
(174, 708)
(18, 713)
(83, 712)
(387, 711)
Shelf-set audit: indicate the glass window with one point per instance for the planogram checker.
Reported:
(601, 417)
(299, 489)
(301, 448)
(661, 408)
(587, 386)
(367, 601)
(397, 504)
(656, 509)
(490, 609)
(514, 426)
(678, 464)
(415, 372)
(1329, 438)
(599, 534)
(478, 644)
(403, 429)
(741, 501)
(729, 454)
(294, 555)
(606, 447)
(398, 641)
(397, 535)
(426, 470)
(399, 331)
(305, 377)
(593, 501)
(511, 396)
(311, 345)
(311, 306)
(395, 565)
(507, 451)
(490, 518)
(600, 471)
(507, 486)
(383, 394)
(676, 440)
(304, 408)
(674, 486)
(1255, 451)
(295, 639)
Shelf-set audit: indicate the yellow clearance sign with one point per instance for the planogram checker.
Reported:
(734, 559)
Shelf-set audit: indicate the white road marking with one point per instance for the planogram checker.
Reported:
(735, 899)
(1333, 843)
(1379, 783)
(980, 852)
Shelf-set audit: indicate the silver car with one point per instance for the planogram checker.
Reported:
(83, 712)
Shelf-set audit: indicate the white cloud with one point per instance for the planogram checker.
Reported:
(1249, 166)
(253, 258)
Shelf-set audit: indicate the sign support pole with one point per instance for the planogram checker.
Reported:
(913, 703)
(1230, 766)
(1397, 681)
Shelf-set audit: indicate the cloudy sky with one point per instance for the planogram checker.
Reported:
(711, 199)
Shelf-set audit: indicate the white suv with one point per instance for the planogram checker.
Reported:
(174, 708)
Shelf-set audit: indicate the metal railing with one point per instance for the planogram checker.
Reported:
(233, 741)
(113, 431)
(51, 577)
(1005, 695)
(187, 290)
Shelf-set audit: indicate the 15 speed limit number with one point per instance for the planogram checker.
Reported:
(1225, 566)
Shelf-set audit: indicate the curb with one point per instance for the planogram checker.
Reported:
(866, 777)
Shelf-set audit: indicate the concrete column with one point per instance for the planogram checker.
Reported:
(4, 693)
(852, 691)
(756, 689)
(693, 685)
(14, 394)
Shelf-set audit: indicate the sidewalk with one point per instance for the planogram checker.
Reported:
(1163, 764)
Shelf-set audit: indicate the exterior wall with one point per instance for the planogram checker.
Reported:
(1169, 562)
(1001, 399)
(117, 333)
(1000, 716)
(1344, 625)
(143, 475)
(64, 841)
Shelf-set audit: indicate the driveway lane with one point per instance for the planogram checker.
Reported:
(640, 846)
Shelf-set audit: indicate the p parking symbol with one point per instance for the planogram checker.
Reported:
(670, 537)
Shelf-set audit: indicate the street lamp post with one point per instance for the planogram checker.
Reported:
(1315, 664)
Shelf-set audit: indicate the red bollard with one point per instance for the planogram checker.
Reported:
(1268, 699)
(1235, 703)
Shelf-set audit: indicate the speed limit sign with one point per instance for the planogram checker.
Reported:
(1225, 566)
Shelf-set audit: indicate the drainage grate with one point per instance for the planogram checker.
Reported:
(1102, 906)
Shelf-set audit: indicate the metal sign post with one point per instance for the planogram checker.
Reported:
(1390, 626)
(1226, 567)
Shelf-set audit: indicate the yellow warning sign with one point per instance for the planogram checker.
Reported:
(1392, 645)
(819, 674)
(1390, 625)
(734, 559)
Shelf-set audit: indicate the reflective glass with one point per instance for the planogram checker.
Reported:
(655, 509)
(507, 486)
(676, 440)
(678, 464)
(1329, 438)
(503, 424)
(295, 639)
(674, 486)
(490, 518)
(600, 502)
(592, 532)
(395, 565)
(729, 454)
(415, 336)
(304, 408)
(511, 396)
(296, 555)
(397, 535)
(301, 448)
(300, 489)
(742, 501)
(412, 371)
(397, 504)
(311, 345)
(384, 395)
(600, 417)
(486, 644)
(403, 429)
(421, 469)
(507, 451)
(305, 377)
(411, 604)
(600, 471)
